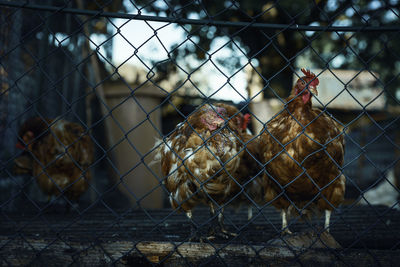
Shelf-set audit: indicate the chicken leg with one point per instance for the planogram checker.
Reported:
(327, 219)
(217, 228)
(249, 213)
(195, 235)
(285, 228)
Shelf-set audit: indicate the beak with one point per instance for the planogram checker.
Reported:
(313, 90)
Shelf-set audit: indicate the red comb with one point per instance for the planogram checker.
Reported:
(246, 120)
(310, 74)
(19, 145)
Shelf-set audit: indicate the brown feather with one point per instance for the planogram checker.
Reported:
(199, 163)
(250, 173)
(298, 146)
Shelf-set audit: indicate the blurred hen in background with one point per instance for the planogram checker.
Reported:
(58, 153)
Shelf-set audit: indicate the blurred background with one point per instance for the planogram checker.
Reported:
(129, 81)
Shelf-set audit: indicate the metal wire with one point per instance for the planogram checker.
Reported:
(209, 22)
(56, 65)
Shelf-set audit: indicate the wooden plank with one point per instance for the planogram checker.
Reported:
(38, 252)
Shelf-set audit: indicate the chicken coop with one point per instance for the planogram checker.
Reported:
(193, 132)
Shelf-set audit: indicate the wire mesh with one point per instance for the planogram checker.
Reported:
(183, 132)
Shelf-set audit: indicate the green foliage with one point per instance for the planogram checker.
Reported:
(375, 51)
(276, 50)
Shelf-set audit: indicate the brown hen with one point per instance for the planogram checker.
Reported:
(303, 149)
(61, 153)
(200, 159)
(249, 174)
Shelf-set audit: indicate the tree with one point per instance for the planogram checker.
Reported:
(43, 71)
(276, 50)
(378, 52)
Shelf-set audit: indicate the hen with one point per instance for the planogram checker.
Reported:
(303, 149)
(199, 161)
(60, 152)
(249, 174)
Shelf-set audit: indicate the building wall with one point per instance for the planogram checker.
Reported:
(133, 136)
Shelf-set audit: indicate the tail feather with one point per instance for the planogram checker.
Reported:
(157, 148)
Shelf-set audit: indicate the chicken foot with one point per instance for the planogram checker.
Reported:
(217, 227)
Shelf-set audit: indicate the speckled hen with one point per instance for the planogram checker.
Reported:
(199, 161)
(303, 149)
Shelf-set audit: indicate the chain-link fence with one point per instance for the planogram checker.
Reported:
(191, 132)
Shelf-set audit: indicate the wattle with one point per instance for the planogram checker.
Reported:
(306, 97)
